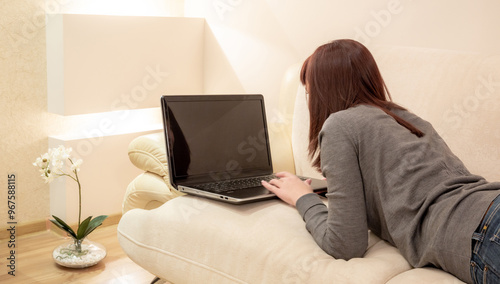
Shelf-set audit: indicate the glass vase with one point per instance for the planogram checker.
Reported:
(79, 253)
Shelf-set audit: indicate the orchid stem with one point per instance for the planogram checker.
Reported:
(79, 193)
(79, 198)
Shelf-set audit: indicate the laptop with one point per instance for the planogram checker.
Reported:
(218, 147)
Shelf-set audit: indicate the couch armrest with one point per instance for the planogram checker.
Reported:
(152, 188)
(148, 153)
(148, 191)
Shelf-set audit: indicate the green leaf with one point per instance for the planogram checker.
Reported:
(82, 228)
(61, 224)
(96, 222)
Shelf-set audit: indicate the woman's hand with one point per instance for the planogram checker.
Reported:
(288, 187)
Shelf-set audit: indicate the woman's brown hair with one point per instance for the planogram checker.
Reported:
(337, 76)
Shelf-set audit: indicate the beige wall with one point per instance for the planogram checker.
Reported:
(106, 74)
(261, 38)
(23, 105)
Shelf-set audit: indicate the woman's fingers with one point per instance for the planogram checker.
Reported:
(288, 187)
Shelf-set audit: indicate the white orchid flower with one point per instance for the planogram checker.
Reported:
(76, 165)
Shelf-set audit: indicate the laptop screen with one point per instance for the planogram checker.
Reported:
(216, 137)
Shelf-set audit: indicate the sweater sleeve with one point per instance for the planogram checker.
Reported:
(341, 230)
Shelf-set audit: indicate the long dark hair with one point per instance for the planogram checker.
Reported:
(337, 76)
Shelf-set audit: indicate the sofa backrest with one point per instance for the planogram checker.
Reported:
(458, 92)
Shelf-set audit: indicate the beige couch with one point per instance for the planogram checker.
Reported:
(185, 239)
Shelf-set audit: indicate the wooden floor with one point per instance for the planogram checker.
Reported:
(34, 263)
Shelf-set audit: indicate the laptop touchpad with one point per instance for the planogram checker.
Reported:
(248, 192)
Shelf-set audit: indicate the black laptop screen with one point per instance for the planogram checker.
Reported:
(216, 137)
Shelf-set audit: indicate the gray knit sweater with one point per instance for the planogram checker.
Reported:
(412, 192)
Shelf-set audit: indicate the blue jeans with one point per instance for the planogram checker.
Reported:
(485, 260)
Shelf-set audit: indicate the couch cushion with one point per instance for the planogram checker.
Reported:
(425, 276)
(458, 92)
(195, 240)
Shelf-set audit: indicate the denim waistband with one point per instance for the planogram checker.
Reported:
(490, 213)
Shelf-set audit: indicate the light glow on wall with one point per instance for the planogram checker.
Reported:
(99, 125)
(158, 8)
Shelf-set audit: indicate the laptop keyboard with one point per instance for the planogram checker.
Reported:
(227, 185)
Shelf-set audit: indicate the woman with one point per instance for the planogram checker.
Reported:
(388, 171)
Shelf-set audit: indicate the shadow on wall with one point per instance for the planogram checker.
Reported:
(219, 75)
